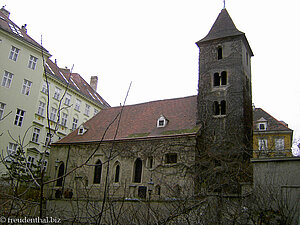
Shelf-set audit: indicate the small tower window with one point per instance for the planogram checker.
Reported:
(219, 108)
(220, 53)
(216, 79)
(224, 78)
(220, 80)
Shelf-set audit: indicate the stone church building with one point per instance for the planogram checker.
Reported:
(170, 148)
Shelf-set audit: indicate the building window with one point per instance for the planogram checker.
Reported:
(48, 139)
(117, 173)
(19, 117)
(219, 108)
(32, 62)
(220, 80)
(150, 162)
(57, 93)
(7, 79)
(11, 148)
(45, 165)
(30, 161)
(263, 144)
(220, 53)
(279, 143)
(157, 190)
(64, 119)
(74, 124)
(68, 99)
(171, 158)
(138, 167)
(162, 121)
(53, 114)
(262, 126)
(36, 135)
(87, 109)
(77, 104)
(81, 130)
(26, 87)
(2, 107)
(97, 172)
(14, 52)
(45, 88)
(60, 173)
(41, 108)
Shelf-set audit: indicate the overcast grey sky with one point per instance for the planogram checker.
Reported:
(152, 44)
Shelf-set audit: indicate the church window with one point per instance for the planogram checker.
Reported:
(220, 53)
(97, 172)
(171, 158)
(150, 162)
(138, 166)
(117, 173)
(219, 108)
(216, 79)
(224, 78)
(223, 107)
(220, 80)
(60, 173)
(157, 190)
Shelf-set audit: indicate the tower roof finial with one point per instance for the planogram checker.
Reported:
(224, 4)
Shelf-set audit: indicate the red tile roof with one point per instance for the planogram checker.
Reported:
(140, 121)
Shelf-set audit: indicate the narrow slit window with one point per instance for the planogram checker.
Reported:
(97, 172)
(220, 53)
(138, 166)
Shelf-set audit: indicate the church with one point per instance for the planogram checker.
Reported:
(168, 149)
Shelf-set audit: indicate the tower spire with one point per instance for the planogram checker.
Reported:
(224, 4)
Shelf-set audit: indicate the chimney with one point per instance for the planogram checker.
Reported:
(24, 28)
(94, 82)
(5, 12)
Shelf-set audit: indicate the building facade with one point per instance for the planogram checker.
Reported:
(170, 148)
(30, 115)
(271, 138)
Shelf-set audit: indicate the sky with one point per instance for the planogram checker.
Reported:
(152, 45)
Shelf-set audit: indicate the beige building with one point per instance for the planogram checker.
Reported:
(24, 95)
(271, 138)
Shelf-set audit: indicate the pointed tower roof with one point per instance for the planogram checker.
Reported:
(222, 28)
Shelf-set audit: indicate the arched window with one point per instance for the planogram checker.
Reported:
(138, 166)
(223, 107)
(219, 108)
(117, 173)
(216, 79)
(216, 108)
(220, 53)
(60, 173)
(224, 78)
(97, 172)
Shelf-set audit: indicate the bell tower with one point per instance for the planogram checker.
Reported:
(224, 92)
